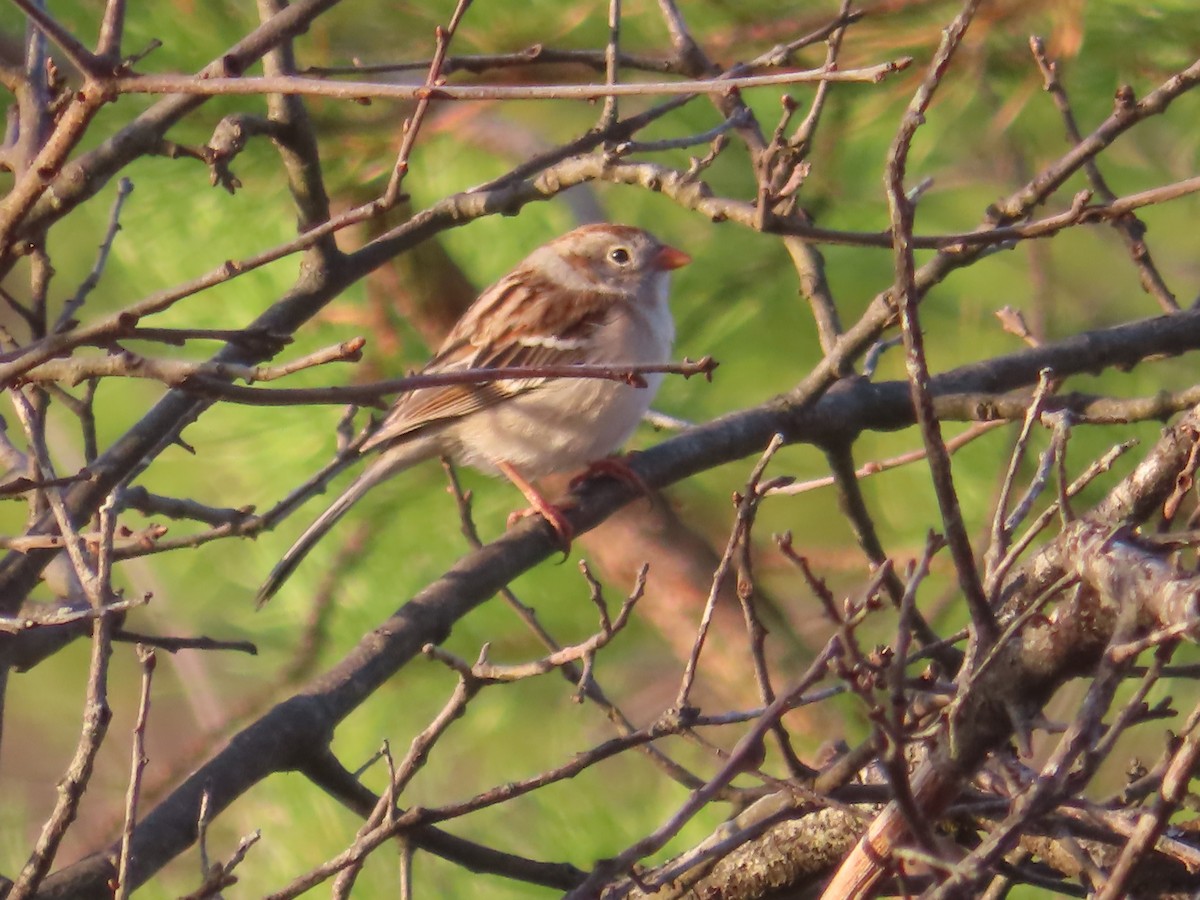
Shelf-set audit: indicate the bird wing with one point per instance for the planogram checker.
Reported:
(499, 331)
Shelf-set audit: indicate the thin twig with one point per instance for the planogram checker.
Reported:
(747, 507)
(431, 89)
(67, 316)
(136, 770)
(357, 91)
(534, 55)
(1128, 226)
(612, 53)
(876, 467)
(73, 49)
(1002, 527)
(907, 298)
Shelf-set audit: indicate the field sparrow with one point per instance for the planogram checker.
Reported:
(595, 296)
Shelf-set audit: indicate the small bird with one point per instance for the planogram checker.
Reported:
(594, 296)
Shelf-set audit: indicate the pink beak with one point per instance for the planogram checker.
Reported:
(669, 258)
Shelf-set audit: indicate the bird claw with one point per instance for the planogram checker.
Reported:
(554, 517)
(617, 467)
(613, 466)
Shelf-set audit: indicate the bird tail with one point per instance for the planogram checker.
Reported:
(392, 461)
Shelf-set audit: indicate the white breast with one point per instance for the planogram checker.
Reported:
(568, 423)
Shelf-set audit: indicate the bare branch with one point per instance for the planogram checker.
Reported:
(357, 91)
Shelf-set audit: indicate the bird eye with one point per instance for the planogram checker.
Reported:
(620, 256)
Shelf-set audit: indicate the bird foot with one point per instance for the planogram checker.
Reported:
(539, 505)
(554, 517)
(615, 467)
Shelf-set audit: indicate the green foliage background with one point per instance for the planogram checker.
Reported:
(990, 127)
